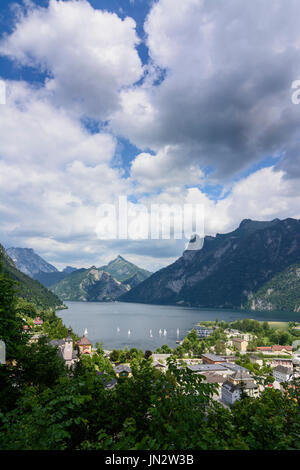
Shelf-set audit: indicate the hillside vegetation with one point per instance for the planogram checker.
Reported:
(282, 292)
(28, 288)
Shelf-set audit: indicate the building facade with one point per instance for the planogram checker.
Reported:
(236, 384)
(282, 374)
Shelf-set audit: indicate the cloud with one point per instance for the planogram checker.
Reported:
(163, 170)
(215, 100)
(225, 99)
(53, 173)
(36, 131)
(89, 55)
(263, 195)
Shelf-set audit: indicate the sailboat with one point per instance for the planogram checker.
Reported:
(165, 332)
(129, 332)
(118, 330)
(151, 335)
(160, 332)
(177, 332)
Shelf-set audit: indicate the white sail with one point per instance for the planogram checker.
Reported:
(129, 332)
(151, 335)
(165, 332)
(160, 332)
(85, 333)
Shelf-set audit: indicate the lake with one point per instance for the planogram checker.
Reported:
(110, 322)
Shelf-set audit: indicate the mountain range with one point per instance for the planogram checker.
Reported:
(89, 285)
(255, 267)
(228, 270)
(101, 284)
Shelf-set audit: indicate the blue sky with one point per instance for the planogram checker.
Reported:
(164, 102)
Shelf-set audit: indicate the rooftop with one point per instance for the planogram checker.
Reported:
(84, 341)
(232, 387)
(207, 367)
(277, 347)
(214, 378)
(241, 375)
(122, 368)
(235, 367)
(213, 357)
(282, 370)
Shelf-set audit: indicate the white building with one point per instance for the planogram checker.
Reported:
(241, 381)
(282, 374)
(66, 350)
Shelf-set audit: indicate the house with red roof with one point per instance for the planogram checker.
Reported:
(275, 348)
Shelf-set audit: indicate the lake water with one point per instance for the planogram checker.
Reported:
(110, 322)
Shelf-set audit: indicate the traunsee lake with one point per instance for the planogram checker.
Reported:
(118, 324)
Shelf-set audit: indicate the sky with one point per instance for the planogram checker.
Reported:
(164, 102)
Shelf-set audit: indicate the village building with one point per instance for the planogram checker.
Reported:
(282, 349)
(160, 357)
(212, 359)
(159, 366)
(281, 362)
(275, 348)
(35, 338)
(84, 345)
(204, 332)
(239, 382)
(248, 337)
(235, 367)
(217, 379)
(66, 350)
(232, 333)
(38, 321)
(256, 360)
(123, 370)
(263, 349)
(210, 368)
(240, 344)
(108, 384)
(282, 374)
(27, 327)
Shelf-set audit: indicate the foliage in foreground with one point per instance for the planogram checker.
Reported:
(43, 406)
(148, 411)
